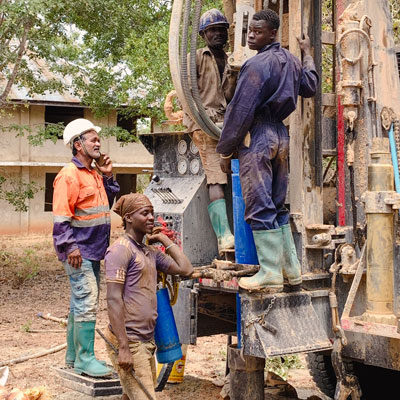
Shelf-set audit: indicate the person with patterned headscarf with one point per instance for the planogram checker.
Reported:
(131, 275)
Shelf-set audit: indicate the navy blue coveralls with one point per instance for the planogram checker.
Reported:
(267, 91)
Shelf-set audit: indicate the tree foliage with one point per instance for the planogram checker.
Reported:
(395, 11)
(16, 191)
(115, 52)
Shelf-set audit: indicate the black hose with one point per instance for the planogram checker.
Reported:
(184, 69)
(215, 132)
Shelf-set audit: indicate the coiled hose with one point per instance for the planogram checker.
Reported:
(216, 132)
(200, 115)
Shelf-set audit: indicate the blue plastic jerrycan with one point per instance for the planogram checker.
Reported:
(245, 248)
(166, 334)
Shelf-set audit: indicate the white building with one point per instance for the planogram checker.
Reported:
(40, 164)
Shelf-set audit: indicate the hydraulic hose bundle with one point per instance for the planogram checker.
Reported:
(188, 94)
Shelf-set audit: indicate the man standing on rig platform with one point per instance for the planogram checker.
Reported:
(267, 91)
(216, 82)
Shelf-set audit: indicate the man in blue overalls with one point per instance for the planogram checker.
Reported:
(267, 91)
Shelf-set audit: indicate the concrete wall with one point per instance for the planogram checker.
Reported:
(18, 149)
(36, 220)
(132, 158)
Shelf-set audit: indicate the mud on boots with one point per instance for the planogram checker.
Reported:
(220, 224)
(291, 264)
(85, 361)
(269, 247)
(70, 355)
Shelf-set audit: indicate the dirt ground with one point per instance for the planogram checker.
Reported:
(32, 281)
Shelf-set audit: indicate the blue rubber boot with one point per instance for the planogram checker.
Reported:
(291, 264)
(220, 224)
(85, 361)
(269, 247)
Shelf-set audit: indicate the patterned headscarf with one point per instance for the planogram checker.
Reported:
(130, 203)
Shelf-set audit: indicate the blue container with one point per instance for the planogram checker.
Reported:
(245, 249)
(165, 334)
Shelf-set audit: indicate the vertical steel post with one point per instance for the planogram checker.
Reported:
(380, 219)
(341, 179)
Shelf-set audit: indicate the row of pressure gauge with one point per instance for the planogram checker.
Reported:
(183, 165)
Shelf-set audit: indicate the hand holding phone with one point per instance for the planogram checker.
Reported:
(100, 161)
(104, 164)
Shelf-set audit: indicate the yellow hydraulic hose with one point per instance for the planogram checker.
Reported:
(173, 289)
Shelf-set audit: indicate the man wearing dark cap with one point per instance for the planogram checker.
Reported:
(131, 275)
(216, 82)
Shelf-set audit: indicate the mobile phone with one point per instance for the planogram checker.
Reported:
(100, 161)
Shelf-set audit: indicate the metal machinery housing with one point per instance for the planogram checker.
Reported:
(345, 225)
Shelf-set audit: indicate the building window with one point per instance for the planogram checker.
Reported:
(397, 49)
(48, 194)
(127, 184)
(127, 123)
(54, 115)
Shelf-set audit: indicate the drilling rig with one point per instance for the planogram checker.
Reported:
(344, 196)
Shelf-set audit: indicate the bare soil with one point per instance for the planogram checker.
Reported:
(32, 281)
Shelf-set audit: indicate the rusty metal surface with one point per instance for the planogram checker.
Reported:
(246, 375)
(347, 384)
(291, 325)
(355, 285)
(356, 324)
(185, 313)
(373, 350)
(226, 286)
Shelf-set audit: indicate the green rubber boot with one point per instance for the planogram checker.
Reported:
(85, 361)
(269, 250)
(220, 224)
(291, 264)
(70, 354)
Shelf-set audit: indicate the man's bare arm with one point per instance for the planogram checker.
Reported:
(115, 308)
(181, 265)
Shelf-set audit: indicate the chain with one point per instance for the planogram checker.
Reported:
(260, 318)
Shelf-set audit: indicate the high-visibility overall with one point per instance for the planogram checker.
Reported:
(81, 208)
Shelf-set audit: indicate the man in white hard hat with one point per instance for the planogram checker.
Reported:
(81, 207)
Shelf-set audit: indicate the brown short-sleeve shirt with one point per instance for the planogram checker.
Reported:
(215, 93)
(135, 266)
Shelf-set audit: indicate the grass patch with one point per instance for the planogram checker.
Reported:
(281, 365)
(19, 267)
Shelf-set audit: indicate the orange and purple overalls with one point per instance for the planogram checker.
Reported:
(81, 209)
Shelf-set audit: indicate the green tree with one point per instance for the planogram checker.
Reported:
(395, 10)
(115, 51)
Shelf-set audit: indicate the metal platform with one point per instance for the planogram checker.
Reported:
(94, 387)
(282, 324)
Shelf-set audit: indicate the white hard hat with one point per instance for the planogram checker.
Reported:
(76, 128)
